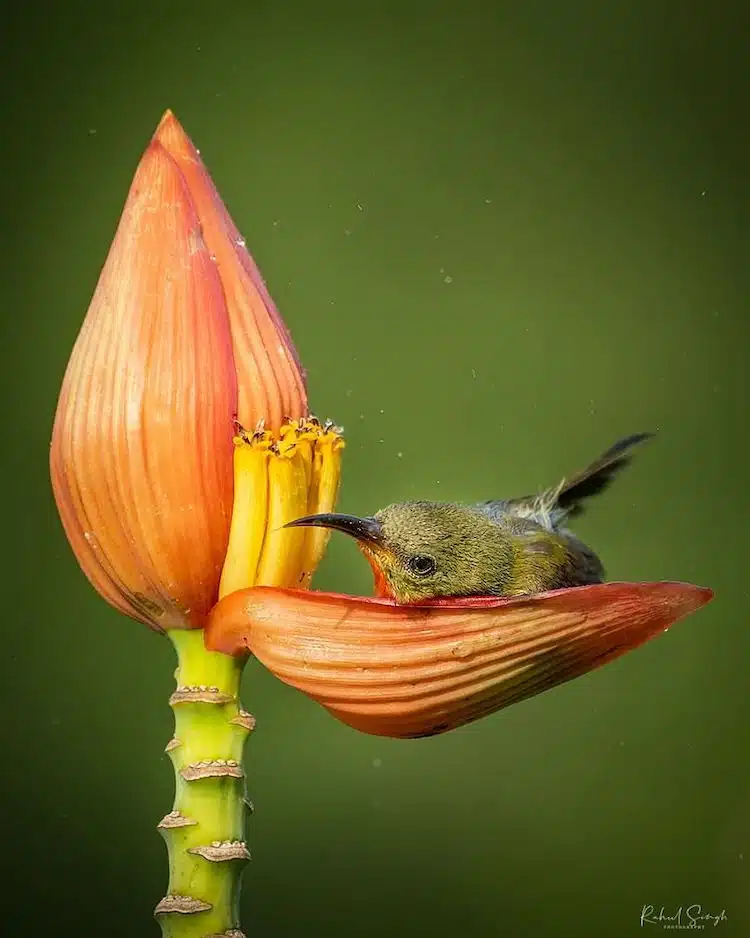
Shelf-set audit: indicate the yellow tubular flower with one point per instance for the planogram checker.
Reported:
(249, 512)
(322, 492)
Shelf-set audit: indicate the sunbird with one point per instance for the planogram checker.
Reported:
(422, 550)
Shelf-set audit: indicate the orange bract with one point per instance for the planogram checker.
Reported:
(180, 334)
(406, 671)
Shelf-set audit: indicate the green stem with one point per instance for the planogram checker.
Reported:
(205, 831)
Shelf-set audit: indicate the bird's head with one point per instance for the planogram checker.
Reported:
(424, 550)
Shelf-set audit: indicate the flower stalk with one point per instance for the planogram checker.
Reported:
(205, 832)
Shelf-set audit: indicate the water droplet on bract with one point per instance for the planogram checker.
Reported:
(448, 279)
(400, 454)
(376, 763)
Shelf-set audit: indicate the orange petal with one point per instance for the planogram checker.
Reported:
(407, 671)
(270, 378)
(141, 457)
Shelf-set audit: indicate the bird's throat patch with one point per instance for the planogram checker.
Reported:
(377, 560)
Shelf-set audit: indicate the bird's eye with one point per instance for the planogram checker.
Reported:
(421, 564)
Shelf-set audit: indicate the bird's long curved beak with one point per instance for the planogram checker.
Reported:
(365, 530)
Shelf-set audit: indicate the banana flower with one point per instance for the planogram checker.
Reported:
(181, 446)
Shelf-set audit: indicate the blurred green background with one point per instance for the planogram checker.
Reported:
(502, 235)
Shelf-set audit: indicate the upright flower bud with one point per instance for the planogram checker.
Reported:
(181, 341)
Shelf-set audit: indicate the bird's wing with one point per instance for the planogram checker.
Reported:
(530, 511)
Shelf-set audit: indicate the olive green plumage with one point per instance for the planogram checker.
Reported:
(422, 550)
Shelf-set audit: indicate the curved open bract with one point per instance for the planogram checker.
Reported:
(409, 671)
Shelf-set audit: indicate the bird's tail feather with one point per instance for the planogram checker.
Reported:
(598, 475)
(566, 499)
